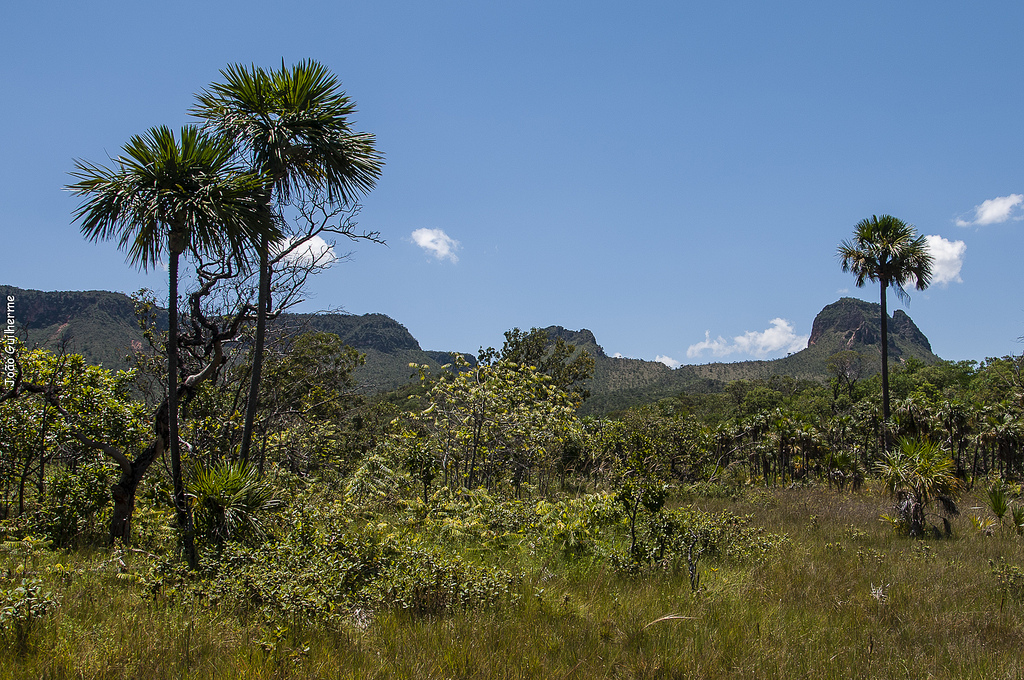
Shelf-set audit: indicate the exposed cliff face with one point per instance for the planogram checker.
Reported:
(856, 324)
(582, 338)
(368, 331)
(904, 327)
(102, 327)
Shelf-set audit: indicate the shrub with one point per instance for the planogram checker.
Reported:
(73, 504)
(917, 473)
(20, 608)
(229, 499)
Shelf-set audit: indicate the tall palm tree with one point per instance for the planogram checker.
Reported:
(293, 126)
(889, 251)
(185, 195)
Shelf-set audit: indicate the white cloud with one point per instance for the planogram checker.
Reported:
(668, 361)
(314, 251)
(780, 337)
(996, 210)
(437, 243)
(948, 258)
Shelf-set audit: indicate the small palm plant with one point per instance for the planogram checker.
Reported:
(1017, 515)
(997, 501)
(228, 501)
(917, 473)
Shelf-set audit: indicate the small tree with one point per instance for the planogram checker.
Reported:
(491, 420)
(917, 473)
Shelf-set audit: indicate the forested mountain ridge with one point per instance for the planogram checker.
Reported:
(101, 325)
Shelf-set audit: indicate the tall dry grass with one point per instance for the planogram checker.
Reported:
(846, 598)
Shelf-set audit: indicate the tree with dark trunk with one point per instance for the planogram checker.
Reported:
(187, 196)
(888, 251)
(291, 125)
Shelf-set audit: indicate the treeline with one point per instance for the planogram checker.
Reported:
(507, 423)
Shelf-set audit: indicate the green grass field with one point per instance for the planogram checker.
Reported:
(844, 597)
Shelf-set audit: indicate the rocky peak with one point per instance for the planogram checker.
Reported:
(583, 339)
(856, 324)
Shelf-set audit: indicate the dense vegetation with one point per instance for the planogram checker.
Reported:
(478, 527)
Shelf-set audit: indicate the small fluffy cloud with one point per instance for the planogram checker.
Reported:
(437, 243)
(314, 251)
(668, 361)
(780, 337)
(947, 259)
(996, 210)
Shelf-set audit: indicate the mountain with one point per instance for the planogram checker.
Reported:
(101, 326)
(96, 324)
(848, 324)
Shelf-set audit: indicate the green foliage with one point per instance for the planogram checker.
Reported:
(1009, 577)
(576, 527)
(431, 582)
(310, 376)
(494, 423)
(568, 367)
(916, 473)
(229, 500)
(997, 500)
(21, 607)
(73, 503)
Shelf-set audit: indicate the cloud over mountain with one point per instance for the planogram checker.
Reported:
(780, 337)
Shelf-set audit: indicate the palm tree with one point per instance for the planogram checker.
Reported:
(184, 195)
(916, 473)
(887, 250)
(291, 125)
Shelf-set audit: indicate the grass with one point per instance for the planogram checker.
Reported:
(846, 598)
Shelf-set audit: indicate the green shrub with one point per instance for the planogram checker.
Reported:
(21, 608)
(229, 500)
(1009, 577)
(75, 503)
(428, 582)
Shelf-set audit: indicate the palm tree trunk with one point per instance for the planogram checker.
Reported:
(181, 509)
(262, 304)
(885, 368)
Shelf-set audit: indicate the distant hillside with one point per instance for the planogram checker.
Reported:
(388, 345)
(848, 324)
(101, 326)
(96, 324)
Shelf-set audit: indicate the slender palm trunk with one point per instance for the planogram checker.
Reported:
(263, 310)
(885, 368)
(182, 513)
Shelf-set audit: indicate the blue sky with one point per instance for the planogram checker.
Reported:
(673, 176)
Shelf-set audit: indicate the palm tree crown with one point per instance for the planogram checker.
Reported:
(187, 195)
(887, 250)
(293, 125)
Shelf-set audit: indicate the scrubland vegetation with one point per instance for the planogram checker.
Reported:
(478, 528)
(799, 582)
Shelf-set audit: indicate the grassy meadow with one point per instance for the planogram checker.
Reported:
(841, 595)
